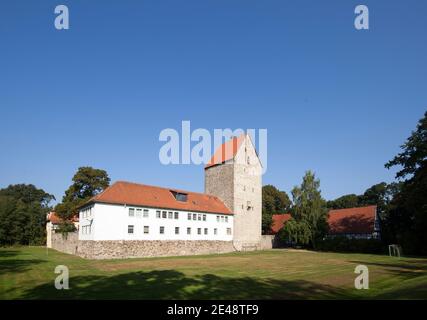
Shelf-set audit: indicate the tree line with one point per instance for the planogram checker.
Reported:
(402, 204)
(24, 208)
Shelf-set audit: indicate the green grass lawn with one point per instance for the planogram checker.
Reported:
(28, 273)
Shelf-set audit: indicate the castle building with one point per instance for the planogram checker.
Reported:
(135, 220)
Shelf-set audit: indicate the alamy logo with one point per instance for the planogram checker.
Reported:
(362, 280)
(62, 19)
(361, 22)
(61, 281)
(178, 148)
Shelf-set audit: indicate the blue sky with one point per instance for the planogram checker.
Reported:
(334, 100)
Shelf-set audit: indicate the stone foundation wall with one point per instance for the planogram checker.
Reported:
(142, 248)
(267, 242)
(136, 249)
(68, 243)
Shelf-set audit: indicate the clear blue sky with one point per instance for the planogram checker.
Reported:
(334, 100)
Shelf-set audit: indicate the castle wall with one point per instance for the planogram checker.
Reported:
(67, 243)
(155, 248)
(219, 181)
(122, 249)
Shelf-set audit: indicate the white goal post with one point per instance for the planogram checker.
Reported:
(394, 250)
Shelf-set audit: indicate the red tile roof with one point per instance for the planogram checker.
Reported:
(279, 221)
(352, 220)
(226, 151)
(53, 217)
(128, 193)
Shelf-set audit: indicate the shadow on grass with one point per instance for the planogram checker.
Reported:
(400, 266)
(171, 284)
(9, 264)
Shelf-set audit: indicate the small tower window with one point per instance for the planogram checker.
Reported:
(249, 206)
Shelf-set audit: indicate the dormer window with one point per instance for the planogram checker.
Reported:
(180, 196)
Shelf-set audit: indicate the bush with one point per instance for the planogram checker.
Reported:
(65, 227)
(343, 244)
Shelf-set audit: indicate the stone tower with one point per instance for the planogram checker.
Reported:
(234, 175)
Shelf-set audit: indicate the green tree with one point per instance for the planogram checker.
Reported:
(296, 232)
(23, 210)
(87, 182)
(309, 212)
(274, 201)
(377, 195)
(407, 216)
(343, 202)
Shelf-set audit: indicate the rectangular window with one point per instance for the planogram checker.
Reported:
(206, 231)
(199, 230)
(162, 230)
(228, 231)
(146, 229)
(170, 215)
(130, 229)
(222, 218)
(138, 213)
(199, 217)
(158, 214)
(176, 230)
(189, 216)
(131, 212)
(188, 230)
(217, 218)
(226, 219)
(164, 214)
(194, 216)
(145, 213)
(215, 231)
(176, 215)
(204, 217)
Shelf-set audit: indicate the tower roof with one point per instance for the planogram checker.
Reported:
(227, 151)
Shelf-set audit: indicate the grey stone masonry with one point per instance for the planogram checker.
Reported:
(136, 248)
(145, 248)
(238, 183)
